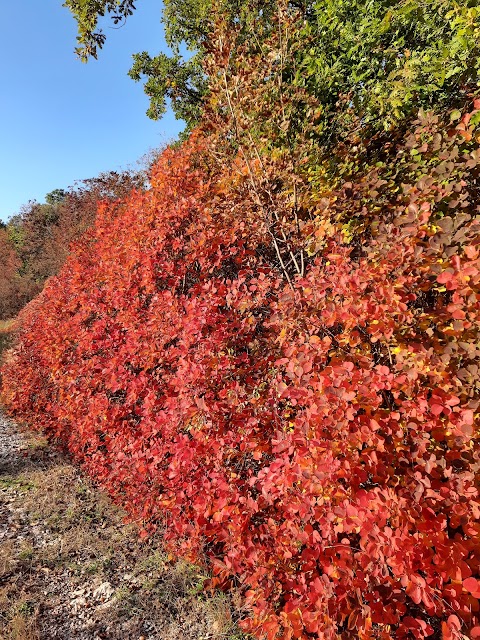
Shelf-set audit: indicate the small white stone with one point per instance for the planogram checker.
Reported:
(104, 592)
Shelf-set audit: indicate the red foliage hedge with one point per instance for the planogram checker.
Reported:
(318, 446)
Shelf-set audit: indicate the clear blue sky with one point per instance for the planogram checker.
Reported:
(61, 120)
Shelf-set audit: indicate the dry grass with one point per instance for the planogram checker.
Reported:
(70, 540)
(7, 326)
(21, 623)
(6, 333)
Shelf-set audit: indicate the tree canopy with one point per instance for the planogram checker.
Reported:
(371, 62)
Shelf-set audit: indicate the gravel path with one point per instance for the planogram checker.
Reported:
(70, 569)
(12, 443)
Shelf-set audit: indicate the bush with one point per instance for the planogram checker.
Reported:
(316, 443)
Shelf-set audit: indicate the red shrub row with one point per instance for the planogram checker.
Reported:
(317, 445)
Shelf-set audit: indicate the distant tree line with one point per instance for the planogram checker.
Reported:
(35, 243)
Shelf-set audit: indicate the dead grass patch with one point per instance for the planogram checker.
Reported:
(19, 619)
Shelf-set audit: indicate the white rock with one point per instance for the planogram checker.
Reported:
(104, 592)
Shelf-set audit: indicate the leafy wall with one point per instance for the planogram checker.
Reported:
(312, 439)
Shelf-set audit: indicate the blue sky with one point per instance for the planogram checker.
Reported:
(61, 120)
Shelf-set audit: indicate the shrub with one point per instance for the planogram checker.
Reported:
(315, 441)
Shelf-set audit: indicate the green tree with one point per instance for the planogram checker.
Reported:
(177, 78)
(56, 196)
(383, 59)
(174, 78)
(369, 64)
(88, 13)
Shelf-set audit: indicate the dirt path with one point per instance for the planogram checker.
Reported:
(71, 569)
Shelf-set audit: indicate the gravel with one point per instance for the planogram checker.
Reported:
(12, 443)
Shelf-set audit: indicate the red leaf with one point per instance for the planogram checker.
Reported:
(445, 277)
(472, 585)
(436, 409)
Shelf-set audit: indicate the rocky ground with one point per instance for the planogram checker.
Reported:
(71, 569)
